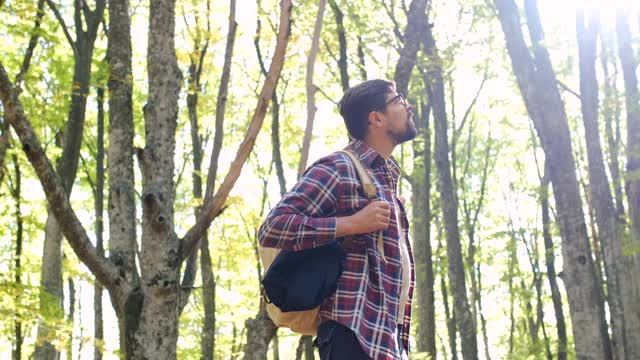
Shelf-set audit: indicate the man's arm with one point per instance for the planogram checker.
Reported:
(305, 217)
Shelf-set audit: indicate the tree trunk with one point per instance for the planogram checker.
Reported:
(625, 320)
(342, 41)
(299, 348)
(629, 65)
(16, 193)
(121, 200)
(556, 297)
(208, 278)
(80, 326)
(152, 311)
(512, 262)
(275, 140)
(311, 89)
(361, 65)
(463, 316)
(308, 348)
(416, 22)
(260, 330)
(207, 343)
(275, 117)
(71, 315)
(595, 242)
(471, 221)
(537, 83)
(51, 275)
(421, 200)
(449, 317)
(611, 114)
(483, 321)
(275, 345)
(99, 208)
(4, 145)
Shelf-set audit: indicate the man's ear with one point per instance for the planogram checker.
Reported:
(375, 119)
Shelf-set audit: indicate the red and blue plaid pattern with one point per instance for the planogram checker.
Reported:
(368, 294)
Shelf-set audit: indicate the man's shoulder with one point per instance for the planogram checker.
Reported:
(337, 161)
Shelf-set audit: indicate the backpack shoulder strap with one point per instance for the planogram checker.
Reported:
(365, 179)
(370, 192)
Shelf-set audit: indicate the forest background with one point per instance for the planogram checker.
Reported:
(525, 217)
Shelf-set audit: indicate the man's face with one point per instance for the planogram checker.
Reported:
(399, 115)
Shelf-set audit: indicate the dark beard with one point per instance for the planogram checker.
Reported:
(409, 134)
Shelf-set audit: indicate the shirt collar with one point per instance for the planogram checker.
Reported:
(367, 154)
(373, 160)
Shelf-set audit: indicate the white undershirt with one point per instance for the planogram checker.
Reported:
(406, 267)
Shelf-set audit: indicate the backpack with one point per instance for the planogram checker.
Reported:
(306, 321)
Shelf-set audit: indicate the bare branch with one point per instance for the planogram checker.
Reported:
(57, 198)
(566, 88)
(209, 19)
(86, 11)
(186, 23)
(256, 43)
(325, 95)
(208, 36)
(392, 17)
(65, 29)
(483, 185)
(311, 89)
(470, 107)
(94, 18)
(33, 41)
(86, 167)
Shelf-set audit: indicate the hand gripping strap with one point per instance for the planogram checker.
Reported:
(370, 191)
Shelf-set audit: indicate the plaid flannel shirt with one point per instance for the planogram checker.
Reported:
(368, 294)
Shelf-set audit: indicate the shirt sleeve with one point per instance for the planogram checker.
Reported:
(305, 216)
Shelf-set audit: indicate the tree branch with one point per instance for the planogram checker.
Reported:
(470, 107)
(77, 16)
(311, 89)
(566, 88)
(87, 12)
(213, 205)
(208, 36)
(95, 17)
(326, 96)
(392, 17)
(65, 29)
(33, 41)
(71, 227)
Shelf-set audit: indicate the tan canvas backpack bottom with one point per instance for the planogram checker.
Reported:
(302, 322)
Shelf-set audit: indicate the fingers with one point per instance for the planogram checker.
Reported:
(383, 224)
(375, 216)
(383, 213)
(382, 204)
